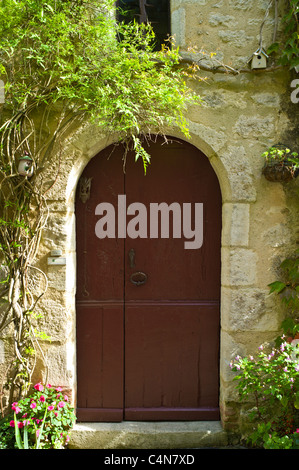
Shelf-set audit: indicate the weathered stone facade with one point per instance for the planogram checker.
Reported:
(241, 116)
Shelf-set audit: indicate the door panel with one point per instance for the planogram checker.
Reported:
(169, 361)
(99, 298)
(100, 361)
(149, 352)
(178, 173)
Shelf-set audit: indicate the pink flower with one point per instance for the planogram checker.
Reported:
(33, 405)
(66, 398)
(58, 389)
(39, 387)
(42, 398)
(51, 407)
(49, 385)
(37, 432)
(12, 423)
(61, 404)
(24, 415)
(15, 407)
(20, 425)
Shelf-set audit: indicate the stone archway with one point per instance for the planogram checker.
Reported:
(79, 151)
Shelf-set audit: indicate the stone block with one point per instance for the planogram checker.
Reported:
(239, 172)
(134, 435)
(270, 100)
(235, 231)
(238, 39)
(238, 267)
(249, 309)
(254, 126)
(59, 232)
(178, 26)
(53, 321)
(2, 352)
(59, 374)
(217, 19)
(213, 137)
(277, 236)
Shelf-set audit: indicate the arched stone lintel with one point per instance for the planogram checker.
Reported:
(80, 150)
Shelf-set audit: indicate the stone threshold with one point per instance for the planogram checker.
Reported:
(148, 435)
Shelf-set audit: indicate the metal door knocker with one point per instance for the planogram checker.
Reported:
(139, 278)
(84, 190)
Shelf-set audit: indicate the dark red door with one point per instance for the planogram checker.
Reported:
(148, 308)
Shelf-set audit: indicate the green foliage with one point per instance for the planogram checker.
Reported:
(288, 47)
(70, 51)
(41, 421)
(268, 438)
(288, 290)
(281, 155)
(271, 381)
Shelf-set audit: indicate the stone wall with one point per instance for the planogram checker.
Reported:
(240, 117)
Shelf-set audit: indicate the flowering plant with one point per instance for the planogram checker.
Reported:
(44, 418)
(272, 380)
(281, 155)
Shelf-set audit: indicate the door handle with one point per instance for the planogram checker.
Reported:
(138, 278)
(132, 257)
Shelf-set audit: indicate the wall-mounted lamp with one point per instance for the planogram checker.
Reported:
(25, 167)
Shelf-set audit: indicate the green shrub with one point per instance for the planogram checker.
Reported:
(271, 381)
(41, 421)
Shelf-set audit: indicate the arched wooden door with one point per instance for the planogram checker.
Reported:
(148, 308)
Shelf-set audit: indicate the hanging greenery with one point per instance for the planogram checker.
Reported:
(288, 48)
(63, 62)
(75, 52)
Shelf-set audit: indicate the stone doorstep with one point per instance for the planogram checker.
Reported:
(148, 435)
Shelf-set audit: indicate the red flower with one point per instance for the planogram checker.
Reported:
(39, 387)
(15, 407)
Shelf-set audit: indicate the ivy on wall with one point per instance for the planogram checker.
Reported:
(288, 48)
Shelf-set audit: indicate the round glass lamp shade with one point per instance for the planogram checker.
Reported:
(25, 167)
